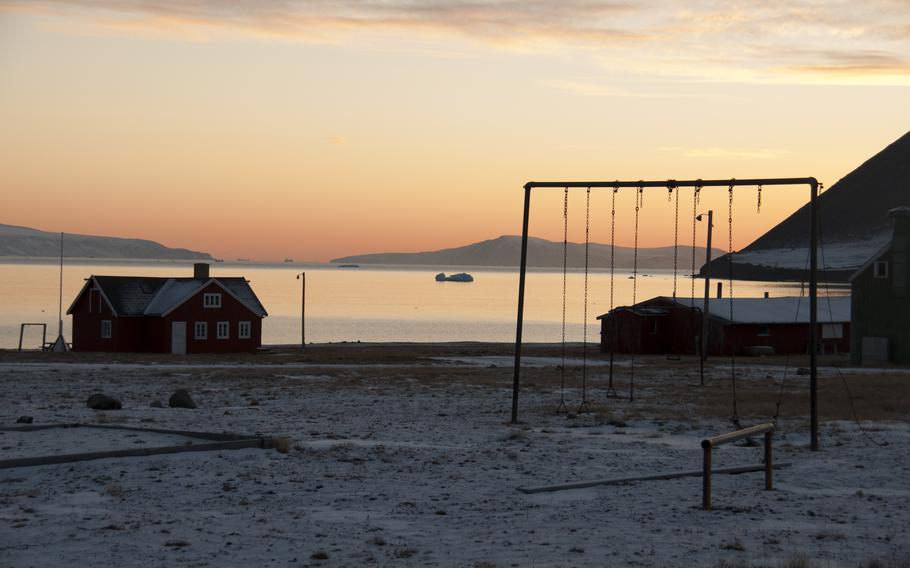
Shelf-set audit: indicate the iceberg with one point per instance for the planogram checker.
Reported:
(460, 277)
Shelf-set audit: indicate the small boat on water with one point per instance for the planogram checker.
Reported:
(460, 277)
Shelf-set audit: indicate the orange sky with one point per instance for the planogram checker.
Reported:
(314, 130)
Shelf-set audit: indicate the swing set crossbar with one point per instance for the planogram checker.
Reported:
(672, 183)
(811, 182)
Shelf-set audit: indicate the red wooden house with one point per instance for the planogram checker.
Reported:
(664, 325)
(167, 315)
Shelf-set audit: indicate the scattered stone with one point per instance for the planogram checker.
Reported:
(100, 401)
(156, 404)
(181, 399)
(802, 371)
(25, 420)
(319, 555)
(617, 424)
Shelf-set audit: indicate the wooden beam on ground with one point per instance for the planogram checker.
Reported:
(217, 442)
(659, 477)
(214, 436)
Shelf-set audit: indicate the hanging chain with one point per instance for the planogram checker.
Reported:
(675, 243)
(612, 243)
(695, 196)
(758, 208)
(565, 253)
(730, 296)
(584, 344)
(639, 197)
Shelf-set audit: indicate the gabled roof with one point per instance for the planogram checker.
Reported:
(640, 310)
(782, 310)
(882, 252)
(157, 296)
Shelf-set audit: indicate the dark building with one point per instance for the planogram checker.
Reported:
(663, 325)
(167, 315)
(881, 300)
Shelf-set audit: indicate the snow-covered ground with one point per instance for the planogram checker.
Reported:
(834, 256)
(416, 465)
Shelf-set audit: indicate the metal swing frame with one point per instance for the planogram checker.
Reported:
(674, 184)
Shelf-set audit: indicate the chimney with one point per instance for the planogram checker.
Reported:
(201, 271)
(900, 251)
(720, 290)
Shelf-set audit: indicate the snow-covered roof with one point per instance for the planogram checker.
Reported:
(174, 292)
(155, 296)
(788, 309)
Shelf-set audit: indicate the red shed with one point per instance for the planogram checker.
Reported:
(665, 325)
(167, 315)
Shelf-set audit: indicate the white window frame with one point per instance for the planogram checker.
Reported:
(211, 300)
(223, 326)
(107, 329)
(880, 269)
(244, 330)
(832, 331)
(200, 330)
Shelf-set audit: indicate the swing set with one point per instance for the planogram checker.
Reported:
(672, 186)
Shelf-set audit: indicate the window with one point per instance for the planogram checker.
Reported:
(880, 269)
(652, 327)
(764, 330)
(201, 330)
(832, 331)
(211, 300)
(106, 329)
(223, 330)
(243, 330)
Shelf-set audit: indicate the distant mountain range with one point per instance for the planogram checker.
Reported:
(32, 243)
(853, 221)
(506, 250)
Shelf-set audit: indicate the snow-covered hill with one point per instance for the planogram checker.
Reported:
(853, 221)
(32, 243)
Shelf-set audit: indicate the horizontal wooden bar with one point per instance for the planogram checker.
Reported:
(672, 183)
(659, 477)
(737, 435)
(262, 443)
(215, 436)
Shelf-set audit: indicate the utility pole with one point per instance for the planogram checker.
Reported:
(302, 278)
(704, 313)
(59, 345)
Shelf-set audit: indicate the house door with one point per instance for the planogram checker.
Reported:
(178, 337)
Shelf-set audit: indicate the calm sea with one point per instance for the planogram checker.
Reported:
(369, 304)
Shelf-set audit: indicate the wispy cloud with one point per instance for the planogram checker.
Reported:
(807, 40)
(725, 153)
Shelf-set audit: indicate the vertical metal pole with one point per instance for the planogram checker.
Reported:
(769, 462)
(813, 314)
(521, 301)
(60, 307)
(705, 312)
(706, 477)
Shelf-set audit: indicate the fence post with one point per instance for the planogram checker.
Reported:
(769, 466)
(706, 477)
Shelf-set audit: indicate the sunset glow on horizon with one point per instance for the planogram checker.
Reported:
(314, 130)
